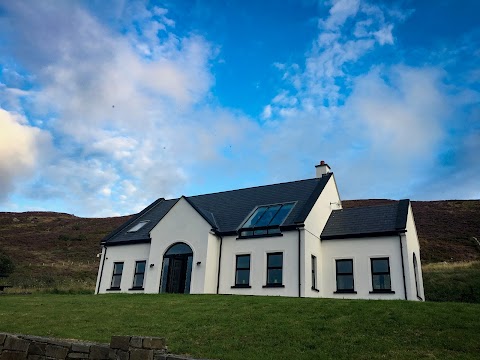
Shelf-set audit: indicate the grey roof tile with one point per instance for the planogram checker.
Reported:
(225, 211)
(366, 221)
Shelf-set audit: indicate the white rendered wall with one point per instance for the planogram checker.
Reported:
(410, 239)
(258, 249)
(128, 254)
(328, 200)
(211, 265)
(181, 224)
(361, 251)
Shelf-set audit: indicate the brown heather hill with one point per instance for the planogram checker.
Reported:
(53, 249)
(59, 250)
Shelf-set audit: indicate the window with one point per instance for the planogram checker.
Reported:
(381, 281)
(117, 276)
(242, 271)
(266, 220)
(138, 226)
(344, 269)
(139, 275)
(314, 273)
(274, 270)
(415, 270)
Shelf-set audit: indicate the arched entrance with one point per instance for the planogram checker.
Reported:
(177, 269)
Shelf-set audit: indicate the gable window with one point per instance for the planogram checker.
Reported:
(138, 226)
(242, 271)
(381, 280)
(274, 270)
(344, 274)
(117, 276)
(314, 273)
(139, 275)
(266, 220)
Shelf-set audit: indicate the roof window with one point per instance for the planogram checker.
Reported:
(138, 226)
(266, 220)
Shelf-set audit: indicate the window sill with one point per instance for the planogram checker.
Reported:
(136, 288)
(273, 286)
(241, 287)
(382, 292)
(345, 292)
(114, 289)
(315, 289)
(258, 236)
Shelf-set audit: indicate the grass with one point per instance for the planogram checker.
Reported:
(240, 327)
(458, 281)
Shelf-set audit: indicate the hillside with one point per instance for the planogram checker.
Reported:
(54, 249)
(60, 250)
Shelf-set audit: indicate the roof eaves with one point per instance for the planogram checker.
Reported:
(128, 242)
(312, 199)
(132, 220)
(360, 235)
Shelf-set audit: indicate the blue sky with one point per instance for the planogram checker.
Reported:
(106, 106)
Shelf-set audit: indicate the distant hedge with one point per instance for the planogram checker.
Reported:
(6, 265)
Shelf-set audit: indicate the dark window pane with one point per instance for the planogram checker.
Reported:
(274, 276)
(243, 262)
(140, 267)
(246, 233)
(380, 265)
(116, 280)
(275, 260)
(138, 281)
(179, 249)
(188, 278)
(381, 282)
(255, 216)
(242, 277)
(344, 266)
(344, 282)
(281, 215)
(274, 231)
(260, 232)
(163, 286)
(118, 268)
(268, 215)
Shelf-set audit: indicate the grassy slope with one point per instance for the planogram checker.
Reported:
(241, 327)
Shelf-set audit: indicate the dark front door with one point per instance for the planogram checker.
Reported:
(177, 274)
(177, 269)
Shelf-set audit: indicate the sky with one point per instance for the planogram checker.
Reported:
(107, 106)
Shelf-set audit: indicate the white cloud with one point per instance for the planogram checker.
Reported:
(21, 148)
(121, 106)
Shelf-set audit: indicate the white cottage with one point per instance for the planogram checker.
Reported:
(287, 239)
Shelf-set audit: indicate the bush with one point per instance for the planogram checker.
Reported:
(6, 265)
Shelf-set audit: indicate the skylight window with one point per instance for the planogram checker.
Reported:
(138, 226)
(266, 220)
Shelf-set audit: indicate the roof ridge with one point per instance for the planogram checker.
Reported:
(394, 203)
(255, 187)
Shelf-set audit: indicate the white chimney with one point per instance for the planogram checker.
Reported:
(322, 169)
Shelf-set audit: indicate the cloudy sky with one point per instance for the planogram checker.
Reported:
(107, 106)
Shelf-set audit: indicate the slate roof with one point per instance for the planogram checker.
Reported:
(367, 221)
(225, 211)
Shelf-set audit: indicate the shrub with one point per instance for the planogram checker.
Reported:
(6, 265)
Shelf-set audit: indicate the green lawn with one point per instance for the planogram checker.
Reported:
(238, 327)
